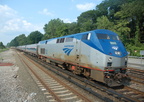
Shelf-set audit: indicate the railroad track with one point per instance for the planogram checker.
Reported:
(132, 93)
(91, 86)
(136, 72)
(136, 75)
(55, 89)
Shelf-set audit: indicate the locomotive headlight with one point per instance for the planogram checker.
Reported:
(118, 53)
(126, 58)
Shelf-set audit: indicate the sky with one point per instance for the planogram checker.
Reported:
(25, 16)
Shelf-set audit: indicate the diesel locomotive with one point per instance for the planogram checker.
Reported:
(97, 54)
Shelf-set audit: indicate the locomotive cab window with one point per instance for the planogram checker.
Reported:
(113, 37)
(86, 36)
(106, 36)
(103, 36)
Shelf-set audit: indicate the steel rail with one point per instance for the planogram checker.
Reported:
(74, 91)
(109, 91)
(71, 89)
(47, 66)
(45, 85)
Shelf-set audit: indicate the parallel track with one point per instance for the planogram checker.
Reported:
(124, 94)
(57, 90)
(136, 75)
(109, 91)
(132, 93)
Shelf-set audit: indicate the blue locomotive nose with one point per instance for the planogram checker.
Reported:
(111, 44)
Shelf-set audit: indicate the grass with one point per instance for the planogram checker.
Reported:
(2, 50)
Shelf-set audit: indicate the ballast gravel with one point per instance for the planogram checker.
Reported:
(16, 84)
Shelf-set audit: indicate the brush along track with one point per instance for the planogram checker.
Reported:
(54, 88)
(89, 85)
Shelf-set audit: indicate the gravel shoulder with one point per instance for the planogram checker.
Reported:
(16, 84)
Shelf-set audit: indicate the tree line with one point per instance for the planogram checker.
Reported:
(32, 38)
(1, 45)
(125, 17)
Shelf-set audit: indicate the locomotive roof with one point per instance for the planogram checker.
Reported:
(100, 31)
(104, 31)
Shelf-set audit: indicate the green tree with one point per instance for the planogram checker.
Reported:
(72, 28)
(14, 42)
(104, 23)
(19, 40)
(1, 45)
(121, 28)
(110, 7)
(55, 28)
(34, 37)
(132, 14)
(86, 21)
(22, 39)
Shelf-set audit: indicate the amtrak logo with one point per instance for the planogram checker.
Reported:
(67, 50)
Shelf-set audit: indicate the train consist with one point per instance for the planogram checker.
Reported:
(97, 54)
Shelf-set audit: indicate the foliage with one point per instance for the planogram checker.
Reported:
(87, 20)
(125, 17)
(73, 28)
(104, 23)
(134, 50)
(1, 45)
(19, 40)
(55, 28)
(34, 37)
(132, 13)
(2, 50)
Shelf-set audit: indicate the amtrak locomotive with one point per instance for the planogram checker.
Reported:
(97, 54)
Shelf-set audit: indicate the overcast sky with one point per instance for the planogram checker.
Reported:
(24, 16)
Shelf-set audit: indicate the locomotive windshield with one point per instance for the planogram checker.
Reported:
(106, 36)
